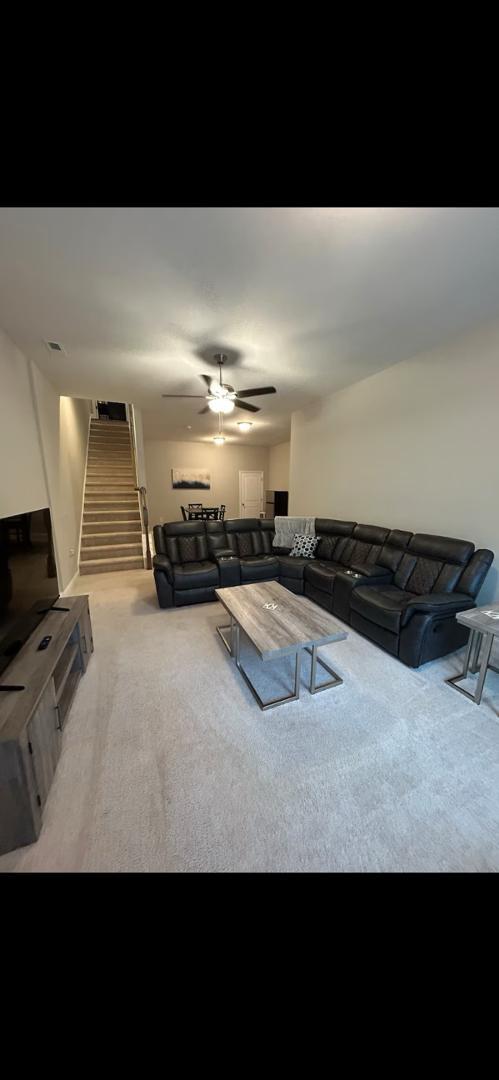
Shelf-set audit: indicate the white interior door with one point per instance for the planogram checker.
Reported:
(250, 493)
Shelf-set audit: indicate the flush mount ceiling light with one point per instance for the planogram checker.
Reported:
(244, 425)
(219, 440)
(221, 405)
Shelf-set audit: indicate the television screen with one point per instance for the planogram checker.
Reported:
(28, 578)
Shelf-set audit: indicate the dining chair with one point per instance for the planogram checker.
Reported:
(195, 506)
(221, 512)
(184, 513)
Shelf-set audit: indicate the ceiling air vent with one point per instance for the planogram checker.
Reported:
(55, 346)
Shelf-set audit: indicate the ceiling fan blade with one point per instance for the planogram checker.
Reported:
(208, 379)
(205, 410)
(184, 395)
(256, 390)
(246, 405)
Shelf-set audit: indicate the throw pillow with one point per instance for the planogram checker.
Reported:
(304, 546)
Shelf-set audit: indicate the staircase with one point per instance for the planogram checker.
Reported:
(111, 537)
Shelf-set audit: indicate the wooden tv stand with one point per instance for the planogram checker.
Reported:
(32, 720)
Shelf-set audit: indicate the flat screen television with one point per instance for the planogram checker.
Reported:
(28, 578)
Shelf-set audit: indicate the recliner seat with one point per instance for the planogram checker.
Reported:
(398, 589)
(362, 546)
(253, 546)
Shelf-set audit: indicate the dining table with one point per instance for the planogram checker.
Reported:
(204, 513)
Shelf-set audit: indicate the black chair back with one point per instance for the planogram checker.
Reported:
(195, 506)
(221, 512)
(184, 513)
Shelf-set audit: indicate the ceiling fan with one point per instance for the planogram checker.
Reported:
(221, 397)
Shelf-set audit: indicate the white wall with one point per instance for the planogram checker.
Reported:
(279, 467)
(22, 479)
(412, 447)
(64, 432)
(223, 462)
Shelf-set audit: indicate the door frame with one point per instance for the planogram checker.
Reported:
(250, 472)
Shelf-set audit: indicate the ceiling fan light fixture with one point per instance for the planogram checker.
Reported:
(221, 405)
(217, 389)
(244, 425)
(219, 440)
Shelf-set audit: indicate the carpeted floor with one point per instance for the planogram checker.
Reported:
(168, 763)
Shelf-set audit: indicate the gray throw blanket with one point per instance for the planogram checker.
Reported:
(286, 527)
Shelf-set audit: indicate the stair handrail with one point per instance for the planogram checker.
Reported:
(145, 518)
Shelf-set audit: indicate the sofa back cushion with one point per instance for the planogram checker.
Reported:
(244, 536)
(473, 577)
(432, 564)
(267, 531)
(393, 549)
(363, 546)
(333, 535)
(185, 541)
(216, 537)
(159, 540)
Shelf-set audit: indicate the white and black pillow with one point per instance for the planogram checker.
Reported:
(304, 546)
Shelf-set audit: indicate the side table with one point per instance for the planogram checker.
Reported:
(483, 624)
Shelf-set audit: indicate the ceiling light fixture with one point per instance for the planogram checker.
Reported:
(244, 425)
(219, 440)
(221, 405)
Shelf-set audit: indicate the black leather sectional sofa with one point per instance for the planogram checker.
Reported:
(401, 590)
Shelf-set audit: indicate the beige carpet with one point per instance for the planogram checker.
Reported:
(169, 765)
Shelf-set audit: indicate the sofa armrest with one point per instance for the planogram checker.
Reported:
(229, 568)
(437, 604)
(162, 562)
(372, 570)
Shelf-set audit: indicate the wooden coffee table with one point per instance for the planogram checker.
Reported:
(279, 623)
(483, 623)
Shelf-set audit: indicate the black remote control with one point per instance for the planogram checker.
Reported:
(44, 642)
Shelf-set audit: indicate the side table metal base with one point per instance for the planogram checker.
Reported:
(473, 665)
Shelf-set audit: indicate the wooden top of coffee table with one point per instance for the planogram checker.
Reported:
(485, 619)
(282, 629)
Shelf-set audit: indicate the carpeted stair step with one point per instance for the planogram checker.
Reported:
(93, 528)
(102, 566)
(110, 468)
(103, 551)
(105, 516)
(107, 539)
(114, 484)
(98, 443)
(129, 497)
(110, 504)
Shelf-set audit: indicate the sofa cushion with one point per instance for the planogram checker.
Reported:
(381, 604)
(259, 568)
(364, 545)
(195, 575)
(267, 531)
(245, 536)
(322, 575)
(292, 567)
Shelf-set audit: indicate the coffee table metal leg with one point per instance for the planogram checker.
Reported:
(228, 626)
(264, 705)
(335, 681)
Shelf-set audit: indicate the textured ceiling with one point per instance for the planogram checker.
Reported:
(308, 299)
